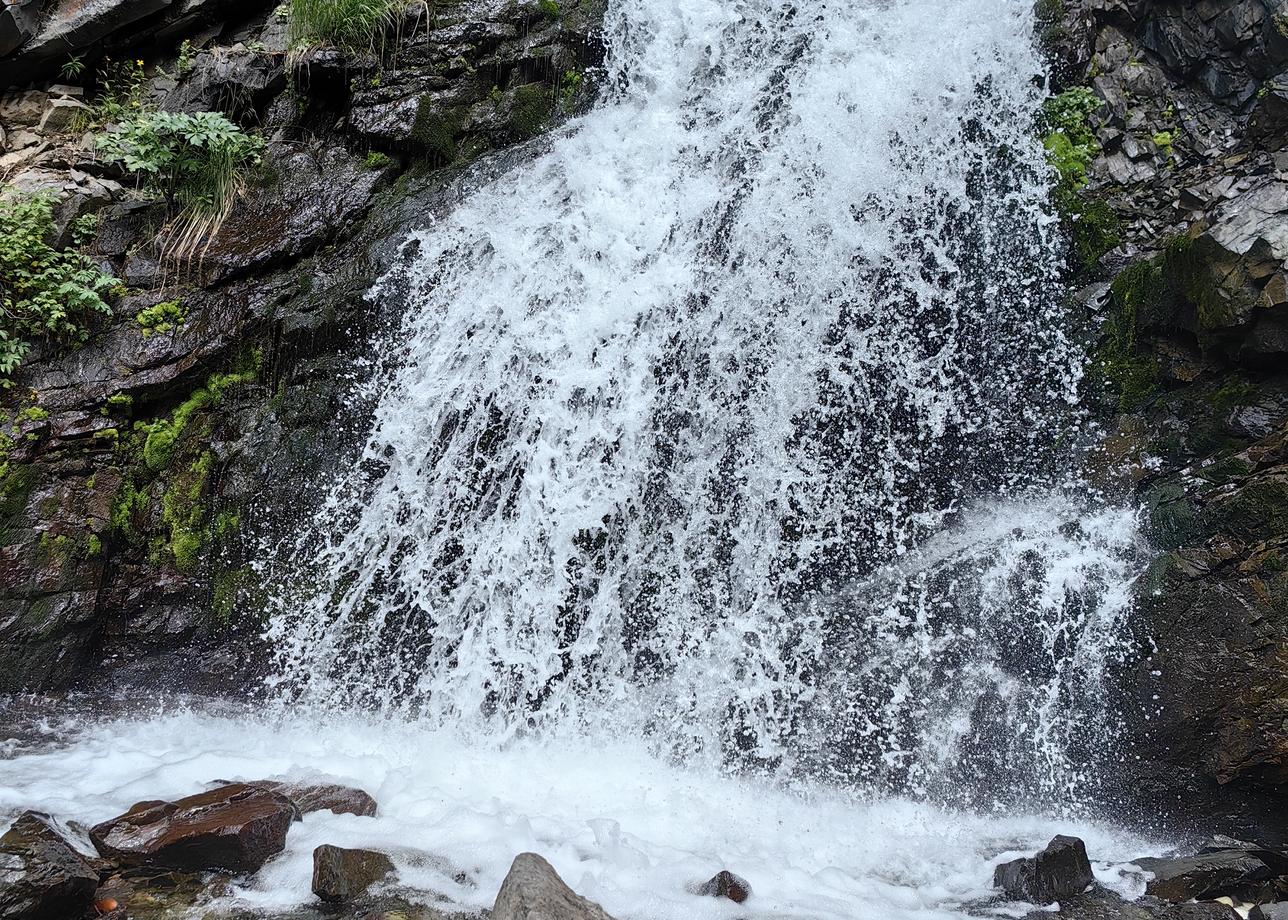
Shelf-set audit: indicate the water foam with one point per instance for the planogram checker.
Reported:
(619, 825)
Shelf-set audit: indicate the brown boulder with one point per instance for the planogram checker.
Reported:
(235, 827)
(42, 877)
(340, 874)
(724, 884)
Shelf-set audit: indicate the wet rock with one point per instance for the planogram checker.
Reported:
(42, 877)
(237, 81)
(1060, 870)
(534, 891)
(341, 875)
(150, 893)
(1275, 911)
(1102, 904)
(1205, 876)
(72, 26)
(310, 797)
(724, 884)
(18, 22)
(236, 827)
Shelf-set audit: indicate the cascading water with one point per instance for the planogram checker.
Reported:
(716, 511)
(736, 419)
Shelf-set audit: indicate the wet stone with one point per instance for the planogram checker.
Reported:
(1060, 870)
(236, 827)
(341, 875)
(724, 884)
(42, 876)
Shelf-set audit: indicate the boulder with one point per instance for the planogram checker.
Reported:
(1060, 870)
(534, 891)
(724, 884)
(1205, 876)
(1276, 911)
(42, 877)
(340, 874)
(235, 827)
(309, 797)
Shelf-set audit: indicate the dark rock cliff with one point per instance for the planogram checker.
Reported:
(136, 466)
(1181, 235)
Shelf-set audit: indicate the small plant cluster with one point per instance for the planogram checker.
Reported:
(163, 317)
(45, 292)
(1071, 145)
(355, 26)
(196, 160)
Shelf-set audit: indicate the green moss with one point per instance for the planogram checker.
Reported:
(532, 106)
(184, 512)
(130, 512)
(17, 480)
(32, 414)
(162, 434)
(117, 404)
(377, 159)
(549, 8)
(435, 129)
(1233, 393)
(162, 317)
(227, 523)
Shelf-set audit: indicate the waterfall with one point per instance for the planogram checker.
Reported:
(737, 416)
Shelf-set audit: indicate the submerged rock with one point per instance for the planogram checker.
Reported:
(340, 874)
(534, 891)
(334, 797)
(1060, 870)
(724, 884)
(236, 827)
(42, 877)
(1207, 875)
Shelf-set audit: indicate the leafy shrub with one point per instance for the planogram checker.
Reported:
(356, 26)
(197, 161)
(44, 292)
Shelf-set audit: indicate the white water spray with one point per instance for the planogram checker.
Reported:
(675, 400)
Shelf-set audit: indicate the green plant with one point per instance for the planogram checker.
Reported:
(44, 292)
(186, 55)
(162, 434)
(356, 26)
(377, 159)
(549, 8)
(1070, 143)
(73, 67)
(163, 317)
(122, 88)
(569, 85)
(196, 160)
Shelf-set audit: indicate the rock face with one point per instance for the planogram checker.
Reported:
(1186, 281)
(42, 877)
(116, 571)
(534, 891)
(341, 875)
(1060, 870)
(724, 884)
(236, 827)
